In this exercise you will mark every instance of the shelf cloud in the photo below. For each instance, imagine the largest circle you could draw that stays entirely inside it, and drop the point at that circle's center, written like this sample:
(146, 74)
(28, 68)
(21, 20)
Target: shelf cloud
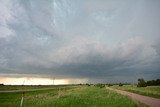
(80, 39)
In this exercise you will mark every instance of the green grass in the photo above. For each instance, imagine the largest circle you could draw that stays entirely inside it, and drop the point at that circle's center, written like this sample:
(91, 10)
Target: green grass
(152, 91)
(81, 96)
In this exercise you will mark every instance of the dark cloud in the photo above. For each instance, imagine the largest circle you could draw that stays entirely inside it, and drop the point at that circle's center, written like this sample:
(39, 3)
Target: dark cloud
(72, 40)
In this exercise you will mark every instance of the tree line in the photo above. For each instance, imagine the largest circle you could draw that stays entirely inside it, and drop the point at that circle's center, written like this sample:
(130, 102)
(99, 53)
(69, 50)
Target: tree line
(143, 83)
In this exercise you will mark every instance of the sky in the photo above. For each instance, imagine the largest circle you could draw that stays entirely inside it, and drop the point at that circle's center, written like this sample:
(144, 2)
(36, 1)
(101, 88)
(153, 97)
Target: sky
(79, 41)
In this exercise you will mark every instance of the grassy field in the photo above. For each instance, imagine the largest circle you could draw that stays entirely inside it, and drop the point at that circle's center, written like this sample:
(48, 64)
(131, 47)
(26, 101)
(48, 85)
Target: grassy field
(153, 91)
(81, 96)
(26, 87)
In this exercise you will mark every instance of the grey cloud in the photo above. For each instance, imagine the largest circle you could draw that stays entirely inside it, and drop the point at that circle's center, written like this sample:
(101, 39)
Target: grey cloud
(78, 40)
(126, 59)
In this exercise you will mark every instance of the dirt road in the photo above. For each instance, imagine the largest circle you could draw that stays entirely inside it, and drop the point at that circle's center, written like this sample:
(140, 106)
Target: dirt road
(152, 102)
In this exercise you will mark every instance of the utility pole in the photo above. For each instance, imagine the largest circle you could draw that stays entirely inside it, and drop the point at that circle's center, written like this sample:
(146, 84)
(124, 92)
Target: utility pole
(21, 104)
(53, 80)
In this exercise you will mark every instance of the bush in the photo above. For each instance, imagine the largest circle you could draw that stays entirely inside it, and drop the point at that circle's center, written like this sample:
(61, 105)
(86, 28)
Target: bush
(100, 85)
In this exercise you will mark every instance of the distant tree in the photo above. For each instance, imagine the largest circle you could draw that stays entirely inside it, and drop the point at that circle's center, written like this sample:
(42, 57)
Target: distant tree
(110, 85)
(158, 82)
(1, 84)
(141, 83)
(120, 84)
(153, 82)
(87, 84)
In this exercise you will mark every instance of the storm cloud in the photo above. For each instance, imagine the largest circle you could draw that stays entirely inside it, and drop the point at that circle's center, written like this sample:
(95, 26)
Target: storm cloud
(80, 39)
